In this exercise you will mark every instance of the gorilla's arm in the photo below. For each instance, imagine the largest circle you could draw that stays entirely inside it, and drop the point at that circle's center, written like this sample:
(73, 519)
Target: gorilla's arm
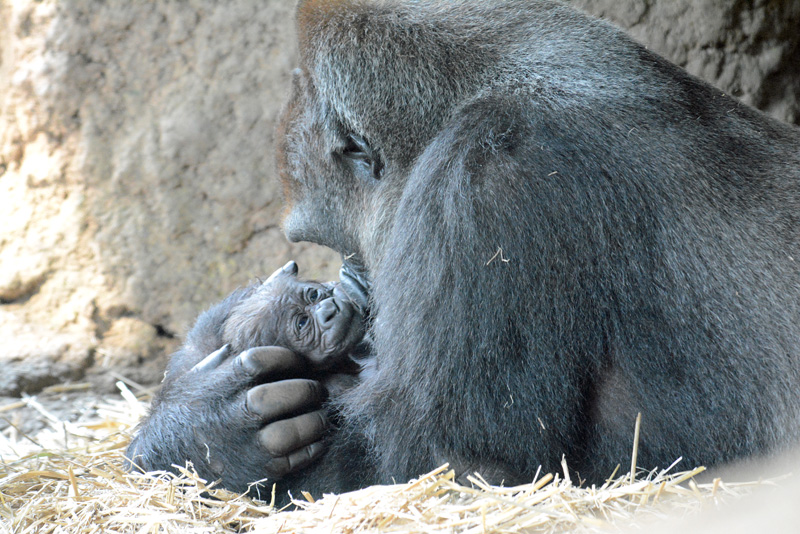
(494, 252)
(230, 425)
(504, 312)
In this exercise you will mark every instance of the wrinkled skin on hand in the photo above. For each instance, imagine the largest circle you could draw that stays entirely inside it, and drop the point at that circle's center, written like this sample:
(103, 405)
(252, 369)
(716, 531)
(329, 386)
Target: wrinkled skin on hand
(239, 418)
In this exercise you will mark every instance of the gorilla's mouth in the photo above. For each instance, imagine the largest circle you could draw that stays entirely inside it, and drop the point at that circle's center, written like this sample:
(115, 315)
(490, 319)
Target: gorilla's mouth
(356, 285)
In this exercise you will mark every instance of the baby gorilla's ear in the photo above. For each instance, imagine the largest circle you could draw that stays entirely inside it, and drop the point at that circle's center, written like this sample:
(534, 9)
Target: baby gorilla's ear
(289, 269)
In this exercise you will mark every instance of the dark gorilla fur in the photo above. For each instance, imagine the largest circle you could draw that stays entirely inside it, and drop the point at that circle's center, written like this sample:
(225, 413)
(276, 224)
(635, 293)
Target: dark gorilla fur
(567, 230)
(561, 229)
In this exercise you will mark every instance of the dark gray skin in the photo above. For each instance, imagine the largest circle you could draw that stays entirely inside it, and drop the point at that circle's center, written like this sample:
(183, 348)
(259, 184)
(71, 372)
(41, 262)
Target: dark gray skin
(557, 228)
(318, 322)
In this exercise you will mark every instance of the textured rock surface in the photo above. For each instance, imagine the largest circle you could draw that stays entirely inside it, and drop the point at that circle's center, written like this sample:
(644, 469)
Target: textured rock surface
(137, 180)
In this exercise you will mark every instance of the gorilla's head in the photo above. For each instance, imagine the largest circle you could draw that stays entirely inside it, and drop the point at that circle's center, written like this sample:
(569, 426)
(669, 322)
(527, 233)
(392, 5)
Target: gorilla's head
(366, 104)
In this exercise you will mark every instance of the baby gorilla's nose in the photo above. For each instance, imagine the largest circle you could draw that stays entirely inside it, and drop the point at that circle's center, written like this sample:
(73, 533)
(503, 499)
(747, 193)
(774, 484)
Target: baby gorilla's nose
(326, 312)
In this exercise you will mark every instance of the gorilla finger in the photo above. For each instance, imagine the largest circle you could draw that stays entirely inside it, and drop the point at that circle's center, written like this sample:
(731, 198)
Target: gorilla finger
(278, 400)
(283, 437)
(265, 361)
(211, 361)
(290, 268)
(283, 465)
(355, 287)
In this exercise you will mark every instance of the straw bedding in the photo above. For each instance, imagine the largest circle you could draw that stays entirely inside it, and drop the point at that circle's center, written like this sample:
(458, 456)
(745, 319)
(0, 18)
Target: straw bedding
(69, 477)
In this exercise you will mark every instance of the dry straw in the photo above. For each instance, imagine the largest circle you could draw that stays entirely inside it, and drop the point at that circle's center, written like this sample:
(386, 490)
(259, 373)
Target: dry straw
(81, 487)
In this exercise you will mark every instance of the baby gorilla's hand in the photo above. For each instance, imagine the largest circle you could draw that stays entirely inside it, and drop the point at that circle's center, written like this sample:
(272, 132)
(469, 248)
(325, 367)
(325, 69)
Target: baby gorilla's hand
(237, 419)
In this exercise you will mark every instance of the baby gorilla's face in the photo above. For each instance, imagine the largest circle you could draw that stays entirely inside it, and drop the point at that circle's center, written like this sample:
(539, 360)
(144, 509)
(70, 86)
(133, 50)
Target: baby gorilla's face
(315, 320)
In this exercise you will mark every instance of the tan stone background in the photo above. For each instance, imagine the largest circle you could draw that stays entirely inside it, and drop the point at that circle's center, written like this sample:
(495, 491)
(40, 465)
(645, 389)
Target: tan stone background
(137, 180)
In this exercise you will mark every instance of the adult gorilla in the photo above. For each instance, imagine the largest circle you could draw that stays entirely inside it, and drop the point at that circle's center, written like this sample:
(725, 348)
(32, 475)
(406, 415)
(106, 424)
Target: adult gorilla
(561, 230)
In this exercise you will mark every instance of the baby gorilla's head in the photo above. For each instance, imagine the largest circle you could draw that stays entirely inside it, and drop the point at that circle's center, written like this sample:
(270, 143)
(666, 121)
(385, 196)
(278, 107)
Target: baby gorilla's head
(315, 320)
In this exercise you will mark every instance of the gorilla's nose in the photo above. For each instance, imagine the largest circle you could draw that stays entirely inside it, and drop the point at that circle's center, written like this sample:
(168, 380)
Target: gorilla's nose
(326, 312)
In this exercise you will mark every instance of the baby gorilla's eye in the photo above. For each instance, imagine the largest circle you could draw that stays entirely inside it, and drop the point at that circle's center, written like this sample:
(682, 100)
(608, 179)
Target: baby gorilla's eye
(312, 295)
(301, 321)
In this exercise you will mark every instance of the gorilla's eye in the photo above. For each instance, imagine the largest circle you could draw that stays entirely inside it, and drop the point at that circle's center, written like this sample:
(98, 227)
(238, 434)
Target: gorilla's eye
(312, 295)
(357, 149)
(301, 321)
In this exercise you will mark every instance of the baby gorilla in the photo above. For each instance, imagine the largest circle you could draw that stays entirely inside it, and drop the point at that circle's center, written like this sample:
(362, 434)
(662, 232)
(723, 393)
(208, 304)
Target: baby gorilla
(320, 323)
(317, 321)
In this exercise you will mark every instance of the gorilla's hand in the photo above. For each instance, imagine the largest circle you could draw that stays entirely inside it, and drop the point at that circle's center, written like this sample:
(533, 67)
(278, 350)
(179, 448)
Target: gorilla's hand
(237, 419)
(355, 284)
